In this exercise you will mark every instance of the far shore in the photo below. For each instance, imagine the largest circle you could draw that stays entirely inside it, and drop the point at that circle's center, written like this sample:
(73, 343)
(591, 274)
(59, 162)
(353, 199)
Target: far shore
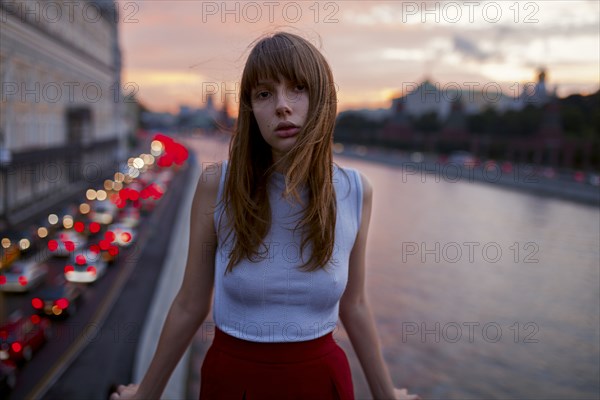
(521, 177)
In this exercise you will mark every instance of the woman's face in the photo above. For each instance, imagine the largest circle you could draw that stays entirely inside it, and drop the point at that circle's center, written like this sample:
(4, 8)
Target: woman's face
(280, 109)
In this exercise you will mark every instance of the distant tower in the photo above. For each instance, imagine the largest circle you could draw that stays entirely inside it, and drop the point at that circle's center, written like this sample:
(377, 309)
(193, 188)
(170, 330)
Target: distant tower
(540, 87)
(210, 105)
(456, 123)
(398, 129)
(224, 122)
(539, 94)
(542, 75)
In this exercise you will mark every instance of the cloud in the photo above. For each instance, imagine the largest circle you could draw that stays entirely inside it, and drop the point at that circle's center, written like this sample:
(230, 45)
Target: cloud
(469, 49)
(370, 47)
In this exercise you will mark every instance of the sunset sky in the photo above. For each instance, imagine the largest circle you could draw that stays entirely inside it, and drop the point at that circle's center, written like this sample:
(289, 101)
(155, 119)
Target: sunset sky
(175, 52)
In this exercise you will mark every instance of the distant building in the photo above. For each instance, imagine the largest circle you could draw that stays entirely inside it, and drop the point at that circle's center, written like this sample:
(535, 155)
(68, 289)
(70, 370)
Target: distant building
(159, 121)
(398, 128)
(206, 119)
(433, 97)
(61, 118)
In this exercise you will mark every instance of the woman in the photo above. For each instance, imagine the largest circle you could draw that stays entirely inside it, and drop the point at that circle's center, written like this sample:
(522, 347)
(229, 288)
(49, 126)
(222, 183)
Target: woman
(286, 231)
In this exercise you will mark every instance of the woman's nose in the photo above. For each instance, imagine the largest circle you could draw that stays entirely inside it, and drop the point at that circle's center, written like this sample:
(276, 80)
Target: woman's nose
(283, 105)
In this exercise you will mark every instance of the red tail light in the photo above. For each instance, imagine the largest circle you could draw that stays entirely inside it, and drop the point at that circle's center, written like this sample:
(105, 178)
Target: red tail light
(79, 226)
(23, 280)
(37, 303)
(80, 259)
(35, 319)
(2, 279)
(52, 245)
(94, 227)
(62, 303)
(125, 237)
(69, 245)
(91, 269)
(104, 244)
(69, 268)
(110, 236)
(16, 347)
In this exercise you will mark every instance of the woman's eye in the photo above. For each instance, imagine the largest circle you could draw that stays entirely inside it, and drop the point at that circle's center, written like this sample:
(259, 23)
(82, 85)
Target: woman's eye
(263, 94)
(300, 88)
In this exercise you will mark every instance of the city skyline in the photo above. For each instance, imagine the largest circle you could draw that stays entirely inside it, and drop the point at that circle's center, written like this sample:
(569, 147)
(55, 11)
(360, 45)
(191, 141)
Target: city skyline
(177, 55)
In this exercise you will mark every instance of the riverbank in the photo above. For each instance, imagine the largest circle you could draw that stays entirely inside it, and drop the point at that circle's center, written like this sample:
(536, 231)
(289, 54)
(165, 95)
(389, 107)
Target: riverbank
(520, 177)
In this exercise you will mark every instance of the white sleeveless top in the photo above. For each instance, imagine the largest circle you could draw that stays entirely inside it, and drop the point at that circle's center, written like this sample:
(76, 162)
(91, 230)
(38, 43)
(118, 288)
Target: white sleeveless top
(272, 299)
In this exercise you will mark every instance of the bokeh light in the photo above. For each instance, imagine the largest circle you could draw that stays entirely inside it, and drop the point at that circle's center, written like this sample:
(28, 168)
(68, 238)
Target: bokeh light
(84, 208)
(101, 195)
(156, 148)
(42, 232)
(24, 244)
(53, 219)
(68, 221)
(138, 163)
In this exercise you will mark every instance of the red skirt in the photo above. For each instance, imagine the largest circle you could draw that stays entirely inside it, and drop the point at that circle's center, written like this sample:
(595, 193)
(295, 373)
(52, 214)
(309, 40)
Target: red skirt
(239, 369)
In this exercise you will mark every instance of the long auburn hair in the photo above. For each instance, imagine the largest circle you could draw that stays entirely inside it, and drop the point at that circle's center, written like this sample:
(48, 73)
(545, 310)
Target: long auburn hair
(309, 162)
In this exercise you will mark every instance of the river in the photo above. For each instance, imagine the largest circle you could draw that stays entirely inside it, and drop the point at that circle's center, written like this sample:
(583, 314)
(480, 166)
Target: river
(482, 292)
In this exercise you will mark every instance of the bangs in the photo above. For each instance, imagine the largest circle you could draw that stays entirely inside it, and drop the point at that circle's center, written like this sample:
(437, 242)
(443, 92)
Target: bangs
(276, 57)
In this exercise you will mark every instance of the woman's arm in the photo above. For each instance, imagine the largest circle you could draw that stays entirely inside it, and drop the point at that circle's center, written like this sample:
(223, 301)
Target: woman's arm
(357, 317)
(192, 303)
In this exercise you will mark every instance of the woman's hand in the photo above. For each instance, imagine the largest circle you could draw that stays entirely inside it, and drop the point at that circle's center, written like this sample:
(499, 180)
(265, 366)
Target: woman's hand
(402, 394)
(125, 392)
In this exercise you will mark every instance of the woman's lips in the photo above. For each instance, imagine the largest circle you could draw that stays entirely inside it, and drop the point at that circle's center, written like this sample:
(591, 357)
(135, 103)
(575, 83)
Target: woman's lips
(287, 132)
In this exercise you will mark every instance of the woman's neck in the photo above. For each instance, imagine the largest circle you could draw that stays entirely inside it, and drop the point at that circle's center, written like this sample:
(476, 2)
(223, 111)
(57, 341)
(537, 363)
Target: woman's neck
(279, 165)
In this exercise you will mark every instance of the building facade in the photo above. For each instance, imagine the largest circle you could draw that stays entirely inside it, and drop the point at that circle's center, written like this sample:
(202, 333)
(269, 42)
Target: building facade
(61, 108)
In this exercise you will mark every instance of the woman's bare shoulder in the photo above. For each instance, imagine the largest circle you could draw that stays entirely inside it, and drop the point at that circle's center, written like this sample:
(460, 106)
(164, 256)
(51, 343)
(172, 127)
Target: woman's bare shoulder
(367, 186)
(210, 177)
(208, 184)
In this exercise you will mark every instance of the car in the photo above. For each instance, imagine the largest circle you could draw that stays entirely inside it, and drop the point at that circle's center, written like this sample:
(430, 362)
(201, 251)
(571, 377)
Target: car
(107, 251)
(58, 301)
(462, 158)
(579, 176)
(65, 242)
(103, 212)
(121, 234)
(16, 244)
(491, 165)
(22, 275)
(130, 217)
(85, 266)
(150, 196)
(21, 336)
(507, 167)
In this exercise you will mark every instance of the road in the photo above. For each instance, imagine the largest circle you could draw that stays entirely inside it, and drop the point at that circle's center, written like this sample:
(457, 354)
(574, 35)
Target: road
(95, 348)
